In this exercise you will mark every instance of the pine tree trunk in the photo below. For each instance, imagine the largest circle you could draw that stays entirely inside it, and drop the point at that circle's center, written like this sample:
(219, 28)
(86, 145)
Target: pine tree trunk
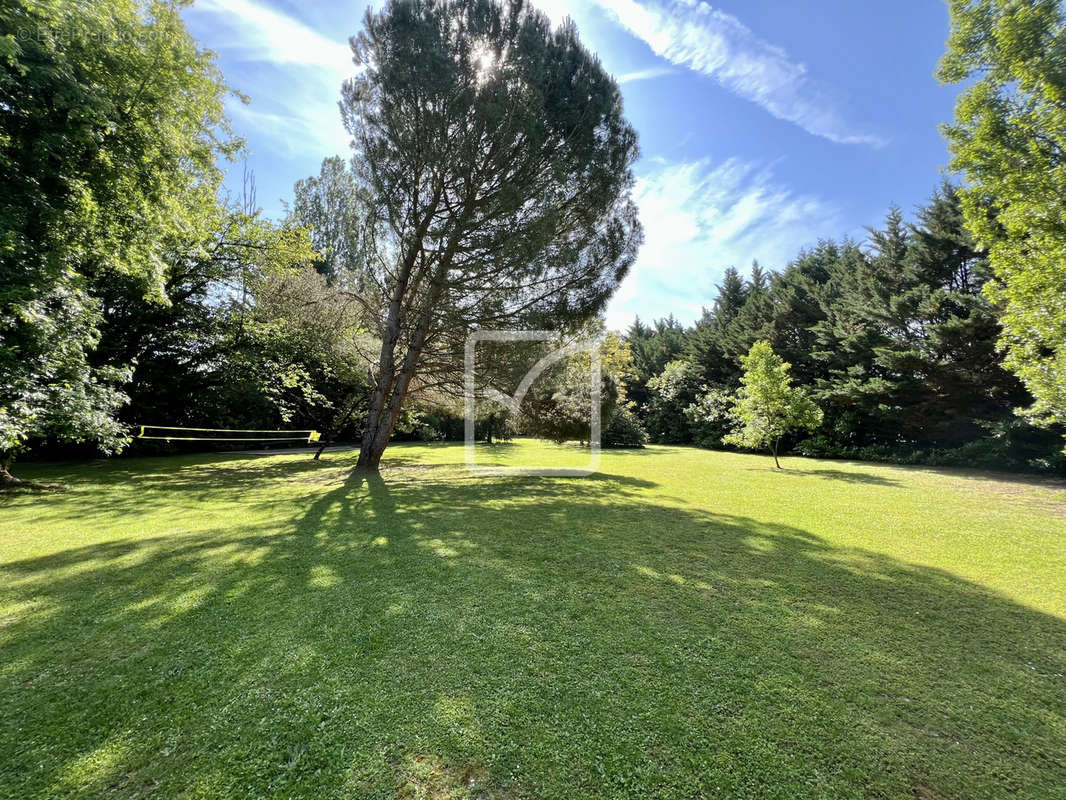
(392, 384)
(369, 451)
(386, 405)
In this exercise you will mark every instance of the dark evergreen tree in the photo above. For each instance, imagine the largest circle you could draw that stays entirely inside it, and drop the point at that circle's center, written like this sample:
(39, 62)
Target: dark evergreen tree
(909, 339)
(732, 294)
(895, 339)
(706, 344)
(858, 322)
(653, 347)
(946, 378)
(798, 308)
(753, 321)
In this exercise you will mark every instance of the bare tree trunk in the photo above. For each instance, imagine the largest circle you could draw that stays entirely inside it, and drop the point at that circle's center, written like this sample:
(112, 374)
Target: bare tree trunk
(391, 388)
(382, 418)
(373, 444)
(379, 422)
(386, 406)
(773, 449)
(336, 426)
(379, 426)
(382, 386)
(6, 478)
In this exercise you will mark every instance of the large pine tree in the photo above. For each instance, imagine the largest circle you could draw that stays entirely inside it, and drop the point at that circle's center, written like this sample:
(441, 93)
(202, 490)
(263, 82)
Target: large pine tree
(495, 159)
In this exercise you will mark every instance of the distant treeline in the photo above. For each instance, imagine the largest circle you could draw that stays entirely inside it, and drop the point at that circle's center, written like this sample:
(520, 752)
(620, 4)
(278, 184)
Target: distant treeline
(893, 337)
(134, 290)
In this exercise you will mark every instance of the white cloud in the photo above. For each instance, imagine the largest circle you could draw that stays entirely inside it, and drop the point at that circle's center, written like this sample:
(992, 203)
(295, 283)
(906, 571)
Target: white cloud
(699, 218)
(294, 135)
(555, 10)
(645, 74)
(291, 72)
(695, 35)
(259, 33)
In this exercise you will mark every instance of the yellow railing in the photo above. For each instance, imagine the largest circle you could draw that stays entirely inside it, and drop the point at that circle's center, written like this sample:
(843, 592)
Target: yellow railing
(305, 435)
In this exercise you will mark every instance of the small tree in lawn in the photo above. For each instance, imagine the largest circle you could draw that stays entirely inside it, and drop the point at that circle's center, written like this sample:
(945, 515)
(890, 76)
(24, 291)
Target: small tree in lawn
(768, 406)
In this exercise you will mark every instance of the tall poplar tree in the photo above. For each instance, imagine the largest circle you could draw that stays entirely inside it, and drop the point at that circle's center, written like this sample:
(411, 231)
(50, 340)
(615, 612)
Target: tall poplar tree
(328, 205)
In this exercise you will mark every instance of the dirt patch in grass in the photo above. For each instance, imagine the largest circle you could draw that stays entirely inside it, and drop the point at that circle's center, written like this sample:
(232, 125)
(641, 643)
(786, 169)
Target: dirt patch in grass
(1036, 494)
(427, 777)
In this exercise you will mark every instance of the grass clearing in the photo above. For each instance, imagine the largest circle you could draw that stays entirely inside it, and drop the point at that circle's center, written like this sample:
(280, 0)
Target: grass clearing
(684, 624)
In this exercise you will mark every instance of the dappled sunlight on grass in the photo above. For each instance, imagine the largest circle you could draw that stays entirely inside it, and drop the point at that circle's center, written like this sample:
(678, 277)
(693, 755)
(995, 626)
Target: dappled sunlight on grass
(680, 580)
(323, 577)
(95, 767)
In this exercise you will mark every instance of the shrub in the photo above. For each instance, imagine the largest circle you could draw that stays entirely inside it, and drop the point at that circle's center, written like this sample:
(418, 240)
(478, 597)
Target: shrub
(624, 430)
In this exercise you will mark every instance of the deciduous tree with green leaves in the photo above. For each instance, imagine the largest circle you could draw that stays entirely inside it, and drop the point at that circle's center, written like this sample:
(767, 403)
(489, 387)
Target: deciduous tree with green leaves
(1009, 142)
(669, 394)
(768, 406)
(308, 349)
(557, 405)
(328, 205)
(653, 347)
(111, 123)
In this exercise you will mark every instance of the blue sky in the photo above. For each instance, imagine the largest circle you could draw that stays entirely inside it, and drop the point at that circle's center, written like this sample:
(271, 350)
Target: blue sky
(764, 125)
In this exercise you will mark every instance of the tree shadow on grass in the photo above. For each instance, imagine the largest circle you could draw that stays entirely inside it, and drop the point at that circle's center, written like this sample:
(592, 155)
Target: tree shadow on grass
(137, 486)
(425, 632)
(835, 475)
(11, 490)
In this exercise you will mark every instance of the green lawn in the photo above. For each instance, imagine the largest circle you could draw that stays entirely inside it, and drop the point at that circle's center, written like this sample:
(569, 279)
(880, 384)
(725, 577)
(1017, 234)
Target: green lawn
(684, 624)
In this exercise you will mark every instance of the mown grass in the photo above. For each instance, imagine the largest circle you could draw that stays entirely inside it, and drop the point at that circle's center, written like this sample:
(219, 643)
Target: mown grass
(684, 624)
